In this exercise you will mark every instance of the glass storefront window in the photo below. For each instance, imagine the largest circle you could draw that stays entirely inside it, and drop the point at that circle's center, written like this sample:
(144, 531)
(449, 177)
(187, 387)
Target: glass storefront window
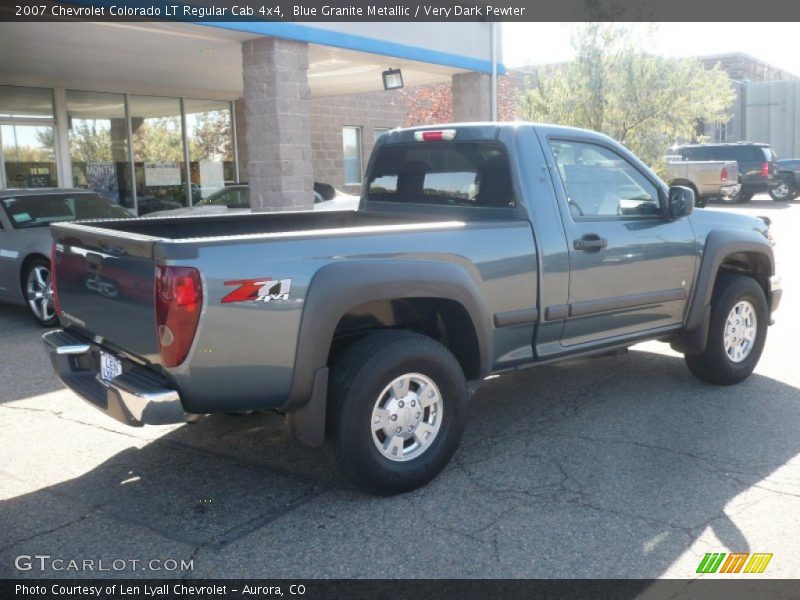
(209, 133)
(18, 102)
(351, 139)
(27, 135)
(159, 170)
(98, 144)
(29, 158)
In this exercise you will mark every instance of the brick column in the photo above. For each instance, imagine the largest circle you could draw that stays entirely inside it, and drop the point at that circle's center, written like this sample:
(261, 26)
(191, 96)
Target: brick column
(472, 97)
(278, 131)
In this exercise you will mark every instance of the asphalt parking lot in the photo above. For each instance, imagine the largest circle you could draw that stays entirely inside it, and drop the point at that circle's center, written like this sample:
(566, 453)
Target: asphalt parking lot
(610, 467)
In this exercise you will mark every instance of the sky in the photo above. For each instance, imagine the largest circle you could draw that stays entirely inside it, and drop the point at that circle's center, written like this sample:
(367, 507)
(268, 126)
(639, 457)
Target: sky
(774, 43)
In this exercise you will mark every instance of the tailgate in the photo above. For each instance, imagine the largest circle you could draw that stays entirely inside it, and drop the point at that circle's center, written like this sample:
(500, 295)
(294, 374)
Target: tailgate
(733, 172)
(105, 282)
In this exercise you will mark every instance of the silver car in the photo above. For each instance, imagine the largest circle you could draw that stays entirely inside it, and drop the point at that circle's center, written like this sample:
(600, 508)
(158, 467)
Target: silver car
(25, 217)
(236, 198)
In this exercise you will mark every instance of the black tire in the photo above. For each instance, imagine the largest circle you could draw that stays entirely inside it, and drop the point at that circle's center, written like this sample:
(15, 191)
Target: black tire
(714, 365)
(742, 197)
(785, 191)
(43, 265)
(358, 379)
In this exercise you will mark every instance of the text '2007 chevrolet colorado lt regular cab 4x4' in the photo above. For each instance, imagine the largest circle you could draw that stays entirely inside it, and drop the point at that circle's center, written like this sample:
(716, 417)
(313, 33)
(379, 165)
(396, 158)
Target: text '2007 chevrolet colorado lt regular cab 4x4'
(476, 249)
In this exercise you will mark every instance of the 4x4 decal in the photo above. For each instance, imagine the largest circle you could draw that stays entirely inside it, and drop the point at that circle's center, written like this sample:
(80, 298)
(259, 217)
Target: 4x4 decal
(258, 290)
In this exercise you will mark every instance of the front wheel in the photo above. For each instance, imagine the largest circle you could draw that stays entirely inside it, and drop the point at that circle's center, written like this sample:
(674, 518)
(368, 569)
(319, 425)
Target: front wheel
(38, 291)
(737, 332)
(397, 411)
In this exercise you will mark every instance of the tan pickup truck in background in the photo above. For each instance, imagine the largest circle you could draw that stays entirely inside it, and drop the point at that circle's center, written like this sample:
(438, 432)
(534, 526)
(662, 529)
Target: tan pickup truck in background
(708, 178)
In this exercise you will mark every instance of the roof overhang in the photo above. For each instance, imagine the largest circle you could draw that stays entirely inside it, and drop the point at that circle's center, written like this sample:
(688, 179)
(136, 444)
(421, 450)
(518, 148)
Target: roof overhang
(184, 59)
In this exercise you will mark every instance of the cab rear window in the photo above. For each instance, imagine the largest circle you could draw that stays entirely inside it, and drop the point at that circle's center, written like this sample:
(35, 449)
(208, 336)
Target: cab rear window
(473, 174)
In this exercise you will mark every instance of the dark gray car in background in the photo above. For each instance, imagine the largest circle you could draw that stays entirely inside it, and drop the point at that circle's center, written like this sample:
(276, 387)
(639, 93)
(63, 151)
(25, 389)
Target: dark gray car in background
(789, 186)
(25, 218)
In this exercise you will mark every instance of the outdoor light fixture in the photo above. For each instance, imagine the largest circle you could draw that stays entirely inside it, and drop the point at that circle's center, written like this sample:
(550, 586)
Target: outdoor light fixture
(392, 79)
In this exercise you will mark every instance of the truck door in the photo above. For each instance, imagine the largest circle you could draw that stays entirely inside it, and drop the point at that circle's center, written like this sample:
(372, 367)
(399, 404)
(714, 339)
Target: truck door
(630, 269)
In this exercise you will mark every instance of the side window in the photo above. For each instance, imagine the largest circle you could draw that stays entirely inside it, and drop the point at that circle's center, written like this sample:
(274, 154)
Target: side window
(600, 183)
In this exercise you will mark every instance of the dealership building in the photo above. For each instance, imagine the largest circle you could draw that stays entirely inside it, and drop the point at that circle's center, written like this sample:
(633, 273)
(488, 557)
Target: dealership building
(161, 114)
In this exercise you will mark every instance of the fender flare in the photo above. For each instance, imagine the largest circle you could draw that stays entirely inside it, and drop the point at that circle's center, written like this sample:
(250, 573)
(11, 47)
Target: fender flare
(720, 244)
(339, 287)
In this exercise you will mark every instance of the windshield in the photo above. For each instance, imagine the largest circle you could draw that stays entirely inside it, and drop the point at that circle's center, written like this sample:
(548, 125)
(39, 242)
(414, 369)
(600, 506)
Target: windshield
(445, 173)
(232, 197)
(40, 210)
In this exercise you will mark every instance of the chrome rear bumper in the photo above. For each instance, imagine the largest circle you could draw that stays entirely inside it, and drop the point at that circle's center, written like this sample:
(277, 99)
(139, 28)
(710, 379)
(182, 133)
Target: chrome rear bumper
(136, 397)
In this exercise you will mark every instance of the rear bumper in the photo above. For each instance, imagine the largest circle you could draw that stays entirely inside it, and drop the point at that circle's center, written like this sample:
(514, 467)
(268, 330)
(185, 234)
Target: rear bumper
(728, 191)
(136, 397)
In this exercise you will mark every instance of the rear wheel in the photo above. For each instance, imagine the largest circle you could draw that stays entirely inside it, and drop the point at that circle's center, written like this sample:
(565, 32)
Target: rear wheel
(737, 332)
(784, 191)
(38, 291)
(397, 411)
(743, 197)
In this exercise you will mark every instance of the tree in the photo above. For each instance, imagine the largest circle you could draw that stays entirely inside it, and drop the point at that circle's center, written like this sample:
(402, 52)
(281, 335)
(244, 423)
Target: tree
(644, 101)
(431, 104)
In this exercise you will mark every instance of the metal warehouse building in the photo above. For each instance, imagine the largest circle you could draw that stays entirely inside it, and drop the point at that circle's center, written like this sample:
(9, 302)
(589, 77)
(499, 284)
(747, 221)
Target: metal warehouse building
(161, 114)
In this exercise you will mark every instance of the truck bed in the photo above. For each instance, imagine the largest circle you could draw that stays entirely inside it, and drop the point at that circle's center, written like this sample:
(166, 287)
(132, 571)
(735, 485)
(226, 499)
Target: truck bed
(250, 224)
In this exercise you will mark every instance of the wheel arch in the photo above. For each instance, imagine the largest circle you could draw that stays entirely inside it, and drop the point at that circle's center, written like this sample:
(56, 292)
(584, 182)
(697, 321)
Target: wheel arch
(341, 291)
(726, 250)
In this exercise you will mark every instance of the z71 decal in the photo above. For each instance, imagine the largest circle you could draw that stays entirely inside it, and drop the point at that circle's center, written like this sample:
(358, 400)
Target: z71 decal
(258, 290)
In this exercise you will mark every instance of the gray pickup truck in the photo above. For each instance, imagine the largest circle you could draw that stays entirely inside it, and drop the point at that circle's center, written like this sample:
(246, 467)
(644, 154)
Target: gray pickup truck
(476, 250)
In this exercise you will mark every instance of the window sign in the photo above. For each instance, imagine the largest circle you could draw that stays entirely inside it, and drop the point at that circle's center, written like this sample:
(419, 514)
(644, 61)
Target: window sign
(162, 173)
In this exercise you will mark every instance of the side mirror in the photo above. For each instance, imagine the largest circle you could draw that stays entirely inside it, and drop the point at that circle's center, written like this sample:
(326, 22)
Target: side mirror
(680, 201)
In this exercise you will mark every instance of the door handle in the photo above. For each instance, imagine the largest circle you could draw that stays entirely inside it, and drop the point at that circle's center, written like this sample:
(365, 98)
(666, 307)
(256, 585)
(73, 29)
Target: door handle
(591, 242)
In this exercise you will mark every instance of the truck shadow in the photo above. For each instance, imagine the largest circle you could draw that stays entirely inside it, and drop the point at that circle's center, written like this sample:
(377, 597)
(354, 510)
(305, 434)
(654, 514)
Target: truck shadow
(604, 468)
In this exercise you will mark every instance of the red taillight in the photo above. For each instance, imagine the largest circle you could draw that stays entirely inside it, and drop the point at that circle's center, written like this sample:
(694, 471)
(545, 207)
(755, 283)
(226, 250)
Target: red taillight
(764, 169)
(179, 298)
(56, 303)
(723, 176)
(435, 135)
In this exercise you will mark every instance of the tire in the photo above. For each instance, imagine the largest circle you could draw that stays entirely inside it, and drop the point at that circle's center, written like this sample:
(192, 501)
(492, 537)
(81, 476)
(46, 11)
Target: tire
(38, 293)
(742, 197)
(716, 364)
(784, 191)
(360, 389)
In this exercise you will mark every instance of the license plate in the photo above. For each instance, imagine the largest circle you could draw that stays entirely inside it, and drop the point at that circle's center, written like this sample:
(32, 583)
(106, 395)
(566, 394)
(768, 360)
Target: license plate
(110, 367)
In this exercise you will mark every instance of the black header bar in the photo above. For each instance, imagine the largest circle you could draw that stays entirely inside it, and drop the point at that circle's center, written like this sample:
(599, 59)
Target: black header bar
(209, 11)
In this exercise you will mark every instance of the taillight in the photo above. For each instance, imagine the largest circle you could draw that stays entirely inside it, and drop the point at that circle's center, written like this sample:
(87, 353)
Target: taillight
(764, 169)
(179, 299)
(435, 135)
(723, 176)
(56, 303)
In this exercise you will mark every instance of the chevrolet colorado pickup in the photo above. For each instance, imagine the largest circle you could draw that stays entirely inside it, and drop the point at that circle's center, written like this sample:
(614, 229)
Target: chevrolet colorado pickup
(476, 250)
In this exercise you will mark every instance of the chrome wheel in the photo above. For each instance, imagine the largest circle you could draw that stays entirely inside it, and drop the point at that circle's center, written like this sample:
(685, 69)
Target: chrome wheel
(39, 291)
(740, 331)
(407, 417)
